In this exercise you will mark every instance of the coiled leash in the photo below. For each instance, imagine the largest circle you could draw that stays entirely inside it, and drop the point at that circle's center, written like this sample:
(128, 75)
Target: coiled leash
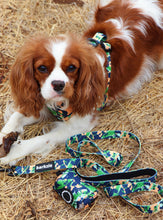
(79, 190)
(121, 183)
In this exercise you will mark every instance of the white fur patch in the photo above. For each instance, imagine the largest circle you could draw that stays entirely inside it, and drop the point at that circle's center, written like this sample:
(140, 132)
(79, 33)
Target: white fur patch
(103, 3)
(57, 49)
(125, 33)
(16, 122)
(150, 8)
(102, 61)
(54, 104)
(142, 27)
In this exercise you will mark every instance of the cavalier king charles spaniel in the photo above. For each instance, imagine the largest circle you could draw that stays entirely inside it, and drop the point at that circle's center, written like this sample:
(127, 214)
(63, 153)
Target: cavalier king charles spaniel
(67, 74)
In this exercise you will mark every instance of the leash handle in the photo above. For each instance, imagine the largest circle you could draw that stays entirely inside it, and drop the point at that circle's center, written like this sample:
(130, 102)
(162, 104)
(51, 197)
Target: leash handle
(116, 179)
(123, 184)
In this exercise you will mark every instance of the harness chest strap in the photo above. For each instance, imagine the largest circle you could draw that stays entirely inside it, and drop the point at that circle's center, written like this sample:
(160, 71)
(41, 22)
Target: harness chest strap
(98, 39)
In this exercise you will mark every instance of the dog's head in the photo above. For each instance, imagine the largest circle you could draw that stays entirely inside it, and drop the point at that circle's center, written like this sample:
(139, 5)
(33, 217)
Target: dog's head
(65, 69)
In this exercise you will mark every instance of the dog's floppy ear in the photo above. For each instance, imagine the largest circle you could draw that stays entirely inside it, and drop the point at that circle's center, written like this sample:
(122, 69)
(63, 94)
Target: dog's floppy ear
(24, 87)
(90, 86)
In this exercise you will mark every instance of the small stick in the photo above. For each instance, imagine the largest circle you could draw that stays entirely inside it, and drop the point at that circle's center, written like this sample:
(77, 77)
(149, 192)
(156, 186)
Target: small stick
(8, 140)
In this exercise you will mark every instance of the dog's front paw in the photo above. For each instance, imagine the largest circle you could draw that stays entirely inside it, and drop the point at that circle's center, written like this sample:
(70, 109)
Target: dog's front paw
(7, 161)
(14, 154)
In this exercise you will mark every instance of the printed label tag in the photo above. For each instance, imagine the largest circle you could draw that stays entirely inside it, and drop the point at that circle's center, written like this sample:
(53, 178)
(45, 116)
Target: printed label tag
(44, 167)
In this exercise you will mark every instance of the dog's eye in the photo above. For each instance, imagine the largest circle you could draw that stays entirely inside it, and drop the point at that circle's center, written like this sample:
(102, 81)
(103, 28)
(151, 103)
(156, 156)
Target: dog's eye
(71, 68)
(43, 69)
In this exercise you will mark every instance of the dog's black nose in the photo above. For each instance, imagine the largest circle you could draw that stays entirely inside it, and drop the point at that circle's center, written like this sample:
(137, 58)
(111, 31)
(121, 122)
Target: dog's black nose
(58, 85)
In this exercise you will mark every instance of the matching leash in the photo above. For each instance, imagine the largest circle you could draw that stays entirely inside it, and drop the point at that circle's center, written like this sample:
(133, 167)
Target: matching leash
(80, 190)
(123, 182)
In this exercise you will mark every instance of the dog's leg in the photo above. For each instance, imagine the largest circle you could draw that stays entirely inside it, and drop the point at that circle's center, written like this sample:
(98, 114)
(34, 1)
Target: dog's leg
(45, 143)
(16, 123)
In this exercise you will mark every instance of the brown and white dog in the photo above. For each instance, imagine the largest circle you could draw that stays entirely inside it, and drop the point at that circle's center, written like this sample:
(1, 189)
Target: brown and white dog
(69, 70)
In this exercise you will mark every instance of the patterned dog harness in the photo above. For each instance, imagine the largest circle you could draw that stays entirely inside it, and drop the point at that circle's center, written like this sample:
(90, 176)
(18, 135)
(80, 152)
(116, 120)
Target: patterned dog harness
(98, 39)
(79, 190)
